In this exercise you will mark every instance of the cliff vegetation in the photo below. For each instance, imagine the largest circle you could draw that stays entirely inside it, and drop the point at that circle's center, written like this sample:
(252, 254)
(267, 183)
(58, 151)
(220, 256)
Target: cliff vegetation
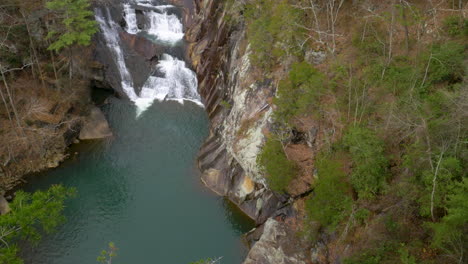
(44, 82)
(385, 84)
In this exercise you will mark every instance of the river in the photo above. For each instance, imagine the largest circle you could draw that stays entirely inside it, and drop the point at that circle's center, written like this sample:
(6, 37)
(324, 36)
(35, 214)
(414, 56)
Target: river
(140, 189)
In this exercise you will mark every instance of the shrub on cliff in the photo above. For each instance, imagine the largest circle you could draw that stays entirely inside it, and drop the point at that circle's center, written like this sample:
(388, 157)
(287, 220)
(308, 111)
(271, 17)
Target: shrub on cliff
(278, 169)
(369, 162)
(330, 203)
(77, 23)
(450, 232)
(273, 31)
(299, 92)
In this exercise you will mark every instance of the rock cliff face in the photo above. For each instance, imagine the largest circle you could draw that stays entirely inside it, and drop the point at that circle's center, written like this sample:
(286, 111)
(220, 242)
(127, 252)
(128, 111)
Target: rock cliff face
(238, 107)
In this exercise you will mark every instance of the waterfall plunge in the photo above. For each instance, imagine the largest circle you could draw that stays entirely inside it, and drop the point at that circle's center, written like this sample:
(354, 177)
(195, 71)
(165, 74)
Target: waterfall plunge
(165, 27)
(178, 82)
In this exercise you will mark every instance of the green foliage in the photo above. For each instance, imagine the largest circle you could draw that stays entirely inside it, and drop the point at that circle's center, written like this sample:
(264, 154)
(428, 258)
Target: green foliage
(225, 104)
(445, 63)
(279, 170)
(272, 31)
(299, 92)
(369, 162)
(456, 26)
(331, 202)
(361, 215)
(399, 76)
(369, 40)
(405, 256)
(450, 232)
(380, 253)
(107, 255)
(383, 252)
(450, 170)
(77, 23)
(31, 214)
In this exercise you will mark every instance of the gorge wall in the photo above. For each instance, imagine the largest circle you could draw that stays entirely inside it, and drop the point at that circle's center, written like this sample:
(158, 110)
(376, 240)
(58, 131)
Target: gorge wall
(237, 99)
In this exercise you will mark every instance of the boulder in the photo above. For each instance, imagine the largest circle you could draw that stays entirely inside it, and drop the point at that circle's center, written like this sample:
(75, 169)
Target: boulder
(95, 126)
(277, 245)
(142, 46)
(4, 206)
(315, 57)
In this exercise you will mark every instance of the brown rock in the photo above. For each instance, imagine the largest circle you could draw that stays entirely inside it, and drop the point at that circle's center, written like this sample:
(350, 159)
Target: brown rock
(95, 126)
(4, 206)
(141, 45)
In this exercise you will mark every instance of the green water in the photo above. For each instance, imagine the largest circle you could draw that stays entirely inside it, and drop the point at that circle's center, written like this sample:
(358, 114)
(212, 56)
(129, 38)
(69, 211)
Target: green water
(141, 190)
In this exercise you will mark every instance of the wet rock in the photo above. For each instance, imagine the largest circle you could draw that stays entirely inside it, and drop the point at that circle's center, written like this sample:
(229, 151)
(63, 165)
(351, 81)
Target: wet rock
(253, 236)
(95, 126)
(277, 245)
(138, 53)
(213, 180)
(72, 132)
(4, 206)
(141, 45)
(55, 159)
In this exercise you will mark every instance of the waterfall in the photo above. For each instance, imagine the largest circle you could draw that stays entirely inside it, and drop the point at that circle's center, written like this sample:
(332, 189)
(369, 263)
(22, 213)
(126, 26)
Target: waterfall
(130, 19)
(174, 81)
(111, 35)
(165, 27)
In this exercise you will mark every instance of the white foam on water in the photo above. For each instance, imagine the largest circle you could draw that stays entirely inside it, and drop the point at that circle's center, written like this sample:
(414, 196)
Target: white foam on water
(111, 35)
(166, 27)
(130, 19)
(178, 83)
(175, 81)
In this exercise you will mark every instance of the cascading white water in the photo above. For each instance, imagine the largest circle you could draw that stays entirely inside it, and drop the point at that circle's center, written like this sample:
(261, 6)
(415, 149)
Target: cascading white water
(165, 27)
(177, 82)
(130, 19)
(111, 35)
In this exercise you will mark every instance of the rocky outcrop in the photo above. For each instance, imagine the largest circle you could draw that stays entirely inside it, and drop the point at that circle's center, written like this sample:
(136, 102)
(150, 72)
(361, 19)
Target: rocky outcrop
(142, 46)
(95, 126)
(140, 56)
(278, 244)
(4, 206)
(237, 98)
(237, 106)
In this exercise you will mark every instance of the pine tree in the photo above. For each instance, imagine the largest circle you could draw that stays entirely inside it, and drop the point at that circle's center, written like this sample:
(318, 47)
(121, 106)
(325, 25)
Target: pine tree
(77, 23)
(30, 215)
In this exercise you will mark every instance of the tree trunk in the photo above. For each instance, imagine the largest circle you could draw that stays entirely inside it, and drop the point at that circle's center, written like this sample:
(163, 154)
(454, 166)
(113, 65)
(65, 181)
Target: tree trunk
(33, 49)
(52, 57)
(405, 23)
(12, 103)
(6, 106)
(434, 184)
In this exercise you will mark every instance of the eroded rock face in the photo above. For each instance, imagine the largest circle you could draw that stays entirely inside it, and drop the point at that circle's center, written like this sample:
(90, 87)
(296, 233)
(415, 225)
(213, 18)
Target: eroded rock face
(95, 126)
(236, 104)
(140, 55)
(237, 101)
(277, 245)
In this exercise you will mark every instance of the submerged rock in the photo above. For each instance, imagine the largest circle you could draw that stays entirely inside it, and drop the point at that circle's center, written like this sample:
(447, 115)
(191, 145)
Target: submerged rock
(95, 126)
